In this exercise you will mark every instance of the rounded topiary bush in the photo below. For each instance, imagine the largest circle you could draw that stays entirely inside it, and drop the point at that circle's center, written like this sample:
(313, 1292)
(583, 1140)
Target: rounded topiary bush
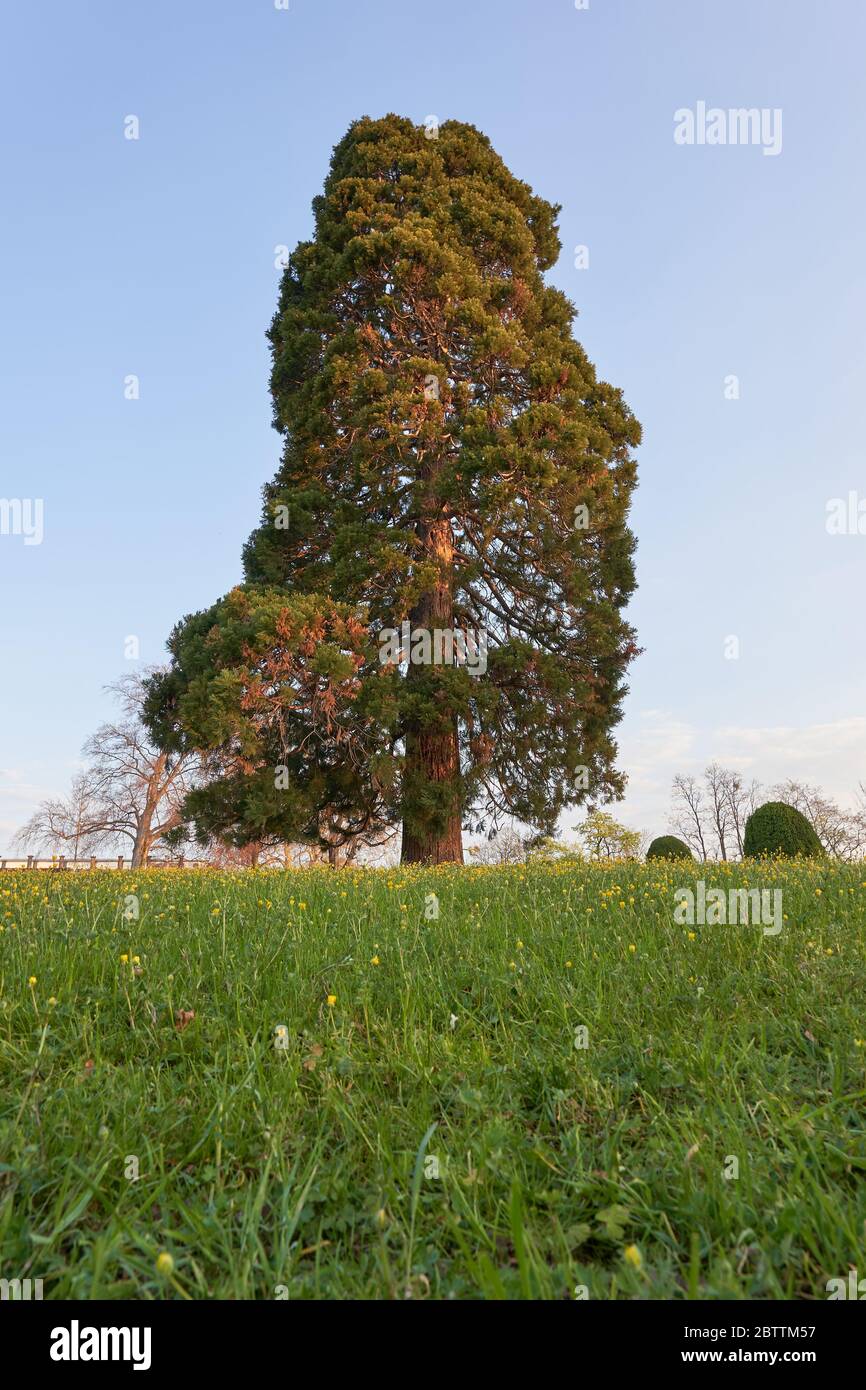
(668, 847)
(776, 828)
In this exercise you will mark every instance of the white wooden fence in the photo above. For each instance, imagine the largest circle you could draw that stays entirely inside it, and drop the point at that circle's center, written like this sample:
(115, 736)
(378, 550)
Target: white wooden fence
(61, 862)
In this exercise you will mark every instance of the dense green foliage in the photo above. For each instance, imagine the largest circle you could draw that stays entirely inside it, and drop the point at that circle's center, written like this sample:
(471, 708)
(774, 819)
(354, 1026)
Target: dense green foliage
(452, 461)
(305, 1167)
(668, 847)
(272, 687)
(775, 828)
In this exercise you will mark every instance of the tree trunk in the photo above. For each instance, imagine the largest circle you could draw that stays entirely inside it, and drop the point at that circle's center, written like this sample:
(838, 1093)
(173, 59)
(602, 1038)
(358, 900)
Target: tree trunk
(139, 849)
(435, 759)
(433, 836)
(144, 829)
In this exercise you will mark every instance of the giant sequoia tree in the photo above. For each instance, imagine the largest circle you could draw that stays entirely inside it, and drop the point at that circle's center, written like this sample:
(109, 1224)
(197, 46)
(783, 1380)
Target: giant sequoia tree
(450, 461)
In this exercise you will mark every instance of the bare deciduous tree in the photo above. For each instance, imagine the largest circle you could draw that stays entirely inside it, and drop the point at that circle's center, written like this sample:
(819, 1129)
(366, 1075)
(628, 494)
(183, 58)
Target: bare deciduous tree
(689, 813)
(716, 781)
(710, 814)
(504, 846)
(742, 800)
(129, 789)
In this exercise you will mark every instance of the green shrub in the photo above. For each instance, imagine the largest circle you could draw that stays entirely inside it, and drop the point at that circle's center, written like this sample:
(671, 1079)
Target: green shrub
(776, 828)
(668, 847)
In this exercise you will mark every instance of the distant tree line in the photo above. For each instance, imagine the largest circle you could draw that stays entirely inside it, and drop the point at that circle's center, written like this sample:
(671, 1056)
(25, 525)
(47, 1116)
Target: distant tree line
(131, 795)
(710, 812)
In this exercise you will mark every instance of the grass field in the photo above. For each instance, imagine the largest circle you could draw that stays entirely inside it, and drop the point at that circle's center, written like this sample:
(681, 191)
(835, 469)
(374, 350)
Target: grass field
(304, 1164)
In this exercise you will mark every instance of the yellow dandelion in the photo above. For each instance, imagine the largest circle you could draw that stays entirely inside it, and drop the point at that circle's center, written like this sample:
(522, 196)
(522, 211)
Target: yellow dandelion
(164, 1263)
(633, 1256)
(332, 999)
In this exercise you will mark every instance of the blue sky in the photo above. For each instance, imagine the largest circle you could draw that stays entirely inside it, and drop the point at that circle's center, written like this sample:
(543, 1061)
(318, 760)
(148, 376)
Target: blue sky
(155, 257)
